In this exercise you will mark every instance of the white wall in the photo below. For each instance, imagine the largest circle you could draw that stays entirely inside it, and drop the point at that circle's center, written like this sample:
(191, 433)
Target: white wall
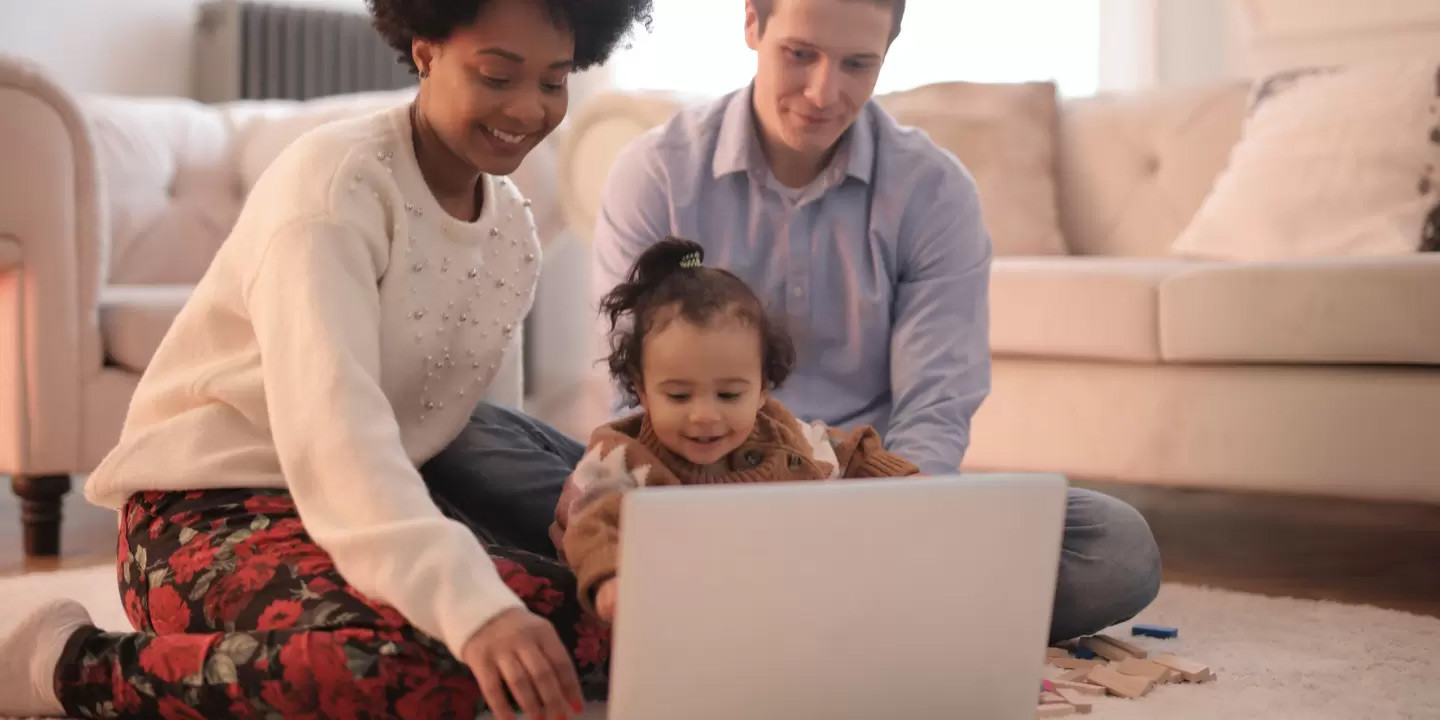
(1198, 41)
(127, 47)
(1194, 42)
(1149, 43)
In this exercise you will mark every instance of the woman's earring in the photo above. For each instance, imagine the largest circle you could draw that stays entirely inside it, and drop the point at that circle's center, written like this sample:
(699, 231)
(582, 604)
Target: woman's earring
(424, 73)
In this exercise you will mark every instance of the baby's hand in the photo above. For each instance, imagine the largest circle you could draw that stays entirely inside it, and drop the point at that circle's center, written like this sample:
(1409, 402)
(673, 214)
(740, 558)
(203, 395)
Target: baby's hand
(605, 601)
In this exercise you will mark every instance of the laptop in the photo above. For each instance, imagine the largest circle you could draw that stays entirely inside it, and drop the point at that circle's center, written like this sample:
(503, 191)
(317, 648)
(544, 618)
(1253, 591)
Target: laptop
(900, 598)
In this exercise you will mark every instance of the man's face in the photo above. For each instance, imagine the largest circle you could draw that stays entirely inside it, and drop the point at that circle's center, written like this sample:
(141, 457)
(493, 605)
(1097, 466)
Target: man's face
(818, 62)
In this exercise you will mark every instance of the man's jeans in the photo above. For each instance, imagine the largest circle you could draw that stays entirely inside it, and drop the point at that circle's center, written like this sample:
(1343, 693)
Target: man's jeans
(503, 475)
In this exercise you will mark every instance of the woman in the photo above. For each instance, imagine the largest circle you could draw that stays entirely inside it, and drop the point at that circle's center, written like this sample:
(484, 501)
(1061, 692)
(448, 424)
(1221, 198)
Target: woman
(279, 552)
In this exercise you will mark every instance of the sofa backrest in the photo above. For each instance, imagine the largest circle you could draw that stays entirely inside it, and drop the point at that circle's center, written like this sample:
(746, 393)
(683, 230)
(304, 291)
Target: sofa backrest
(1134, 168)
(175, 173)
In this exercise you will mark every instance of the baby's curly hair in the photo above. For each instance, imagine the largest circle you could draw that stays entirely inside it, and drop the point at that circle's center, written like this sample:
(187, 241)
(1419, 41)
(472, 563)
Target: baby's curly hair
(598, 25)
(669, 281)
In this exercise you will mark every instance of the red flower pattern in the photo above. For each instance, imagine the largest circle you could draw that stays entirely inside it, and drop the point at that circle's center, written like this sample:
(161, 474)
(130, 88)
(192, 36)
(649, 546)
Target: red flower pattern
(173, 657)
(269, 503)
(287, 700)
(376, 666)
(172, 709)
(230, 594)
(321, 586)
(168, 611)
(192, 559)
(592, 646)
(280, 615)
(127, 699)
(440, 696)
(133, 612)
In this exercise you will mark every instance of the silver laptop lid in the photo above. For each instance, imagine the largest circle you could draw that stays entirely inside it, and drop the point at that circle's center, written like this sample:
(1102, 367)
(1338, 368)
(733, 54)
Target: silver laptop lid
(910, 598)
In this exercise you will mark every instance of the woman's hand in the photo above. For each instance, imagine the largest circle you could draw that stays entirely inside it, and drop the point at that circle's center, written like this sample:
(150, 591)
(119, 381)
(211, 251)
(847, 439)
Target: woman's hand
(605, 601)
(520, 650)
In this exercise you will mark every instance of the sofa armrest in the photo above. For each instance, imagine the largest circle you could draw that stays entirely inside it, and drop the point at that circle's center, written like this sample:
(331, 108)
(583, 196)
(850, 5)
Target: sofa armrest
(50, 213)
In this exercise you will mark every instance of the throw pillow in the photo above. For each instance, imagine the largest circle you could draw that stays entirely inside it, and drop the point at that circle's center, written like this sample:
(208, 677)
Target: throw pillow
(1332, 162)
(1005, 135)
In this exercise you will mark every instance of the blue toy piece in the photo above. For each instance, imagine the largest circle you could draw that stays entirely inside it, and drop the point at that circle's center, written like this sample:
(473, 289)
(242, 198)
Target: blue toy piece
(1084, 653)
(1155, 631)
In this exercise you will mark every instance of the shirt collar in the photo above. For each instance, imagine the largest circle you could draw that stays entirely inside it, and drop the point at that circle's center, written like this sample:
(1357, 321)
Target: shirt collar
(737, 148)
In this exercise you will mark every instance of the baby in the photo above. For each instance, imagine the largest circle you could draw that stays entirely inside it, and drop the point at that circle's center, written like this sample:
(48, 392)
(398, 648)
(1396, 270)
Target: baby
(700, 356)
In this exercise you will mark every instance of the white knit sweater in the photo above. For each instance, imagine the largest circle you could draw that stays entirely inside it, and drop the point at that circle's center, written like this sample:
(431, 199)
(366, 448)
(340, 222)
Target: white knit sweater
(343, 334)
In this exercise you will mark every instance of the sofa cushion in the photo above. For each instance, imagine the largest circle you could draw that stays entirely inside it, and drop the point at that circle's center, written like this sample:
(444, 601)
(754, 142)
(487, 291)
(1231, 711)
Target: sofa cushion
(1334, 162)
(175, 173)
(1134, 167)
(1005, 135)
(1079, 307)
(171, 190)
(1356, 310)
(135, 318)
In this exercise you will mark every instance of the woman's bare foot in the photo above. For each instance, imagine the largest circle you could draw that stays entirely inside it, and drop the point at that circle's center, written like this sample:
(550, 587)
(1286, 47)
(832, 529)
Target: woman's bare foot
(29, 654)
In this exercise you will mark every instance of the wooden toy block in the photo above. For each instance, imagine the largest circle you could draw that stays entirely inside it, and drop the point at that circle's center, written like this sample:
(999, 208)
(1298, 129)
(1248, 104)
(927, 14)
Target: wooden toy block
(1056, 652)
(1074, 663)
(1054, 710)
(1085, 653)
(1171, 676)
(1126, 686)
(1189, 669)
(1155, 631)
(1073, 698)
(1148, 669)
(1070, 687)
(1104, 649)
(1052, 697)
(1134, 650)
(1074, 676)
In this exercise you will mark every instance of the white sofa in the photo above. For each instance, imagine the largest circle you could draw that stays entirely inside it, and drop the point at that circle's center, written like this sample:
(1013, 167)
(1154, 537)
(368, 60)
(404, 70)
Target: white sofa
(111, 208)
(1117, 361)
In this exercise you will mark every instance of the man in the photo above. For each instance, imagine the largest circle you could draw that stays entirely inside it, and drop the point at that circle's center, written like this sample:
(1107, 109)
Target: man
(868, 239)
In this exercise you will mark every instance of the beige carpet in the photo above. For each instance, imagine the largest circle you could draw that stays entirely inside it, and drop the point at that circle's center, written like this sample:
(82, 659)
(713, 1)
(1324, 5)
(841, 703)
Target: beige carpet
(1276, 658)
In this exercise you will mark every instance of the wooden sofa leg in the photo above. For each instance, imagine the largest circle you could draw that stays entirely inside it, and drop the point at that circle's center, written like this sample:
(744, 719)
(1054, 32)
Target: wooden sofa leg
(42, 499)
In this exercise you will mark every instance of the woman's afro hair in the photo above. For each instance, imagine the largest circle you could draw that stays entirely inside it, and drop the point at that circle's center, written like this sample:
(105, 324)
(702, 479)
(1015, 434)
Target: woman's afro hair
(598, 25)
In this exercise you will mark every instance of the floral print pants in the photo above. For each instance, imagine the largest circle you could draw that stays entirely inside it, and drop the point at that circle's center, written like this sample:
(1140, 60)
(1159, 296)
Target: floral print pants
(240, 614)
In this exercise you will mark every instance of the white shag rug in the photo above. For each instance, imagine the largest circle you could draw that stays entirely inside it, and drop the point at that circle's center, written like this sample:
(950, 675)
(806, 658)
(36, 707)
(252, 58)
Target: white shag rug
(1276, 658)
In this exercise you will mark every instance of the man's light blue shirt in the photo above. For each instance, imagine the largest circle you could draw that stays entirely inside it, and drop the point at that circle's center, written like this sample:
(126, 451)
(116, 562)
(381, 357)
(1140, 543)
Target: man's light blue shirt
(880, 268)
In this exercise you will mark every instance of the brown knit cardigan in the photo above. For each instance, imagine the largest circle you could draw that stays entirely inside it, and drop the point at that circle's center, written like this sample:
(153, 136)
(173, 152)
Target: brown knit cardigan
(626, 454)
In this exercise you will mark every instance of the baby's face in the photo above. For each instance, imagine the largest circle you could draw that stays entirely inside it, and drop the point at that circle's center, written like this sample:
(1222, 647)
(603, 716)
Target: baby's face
(702, 386)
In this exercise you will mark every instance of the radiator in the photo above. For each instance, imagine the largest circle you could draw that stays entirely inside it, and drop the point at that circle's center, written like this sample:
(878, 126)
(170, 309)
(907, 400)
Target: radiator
(257, 50)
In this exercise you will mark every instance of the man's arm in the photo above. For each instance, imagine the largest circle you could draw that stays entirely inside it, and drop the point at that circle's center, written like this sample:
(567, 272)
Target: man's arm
(634, 214)
(940, 341)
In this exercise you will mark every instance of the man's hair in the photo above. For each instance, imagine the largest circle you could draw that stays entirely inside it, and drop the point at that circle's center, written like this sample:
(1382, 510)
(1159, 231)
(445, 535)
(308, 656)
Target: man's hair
(763, 8)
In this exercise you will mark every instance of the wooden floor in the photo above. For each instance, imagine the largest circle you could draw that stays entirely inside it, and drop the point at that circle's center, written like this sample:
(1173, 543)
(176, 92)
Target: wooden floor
(88, 535)
(1385, 554)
